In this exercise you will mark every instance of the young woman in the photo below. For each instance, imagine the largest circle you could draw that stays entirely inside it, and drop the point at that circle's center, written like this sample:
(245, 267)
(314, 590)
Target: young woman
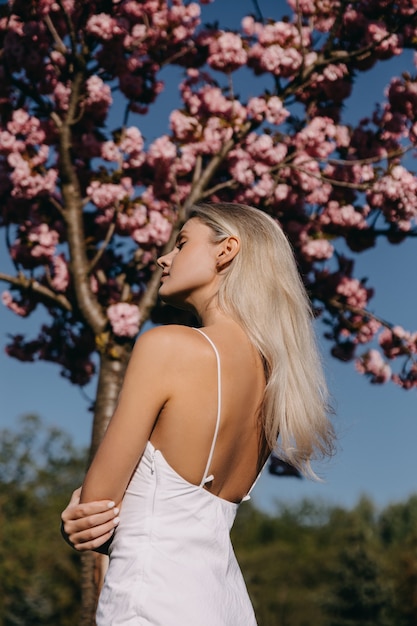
(199, 412)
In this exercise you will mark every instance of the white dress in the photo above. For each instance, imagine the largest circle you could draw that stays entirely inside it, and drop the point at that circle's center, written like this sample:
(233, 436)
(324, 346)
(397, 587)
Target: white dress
(171, 559)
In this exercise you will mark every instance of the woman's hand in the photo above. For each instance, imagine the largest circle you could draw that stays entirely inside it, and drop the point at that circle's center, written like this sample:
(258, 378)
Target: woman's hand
(89, 526)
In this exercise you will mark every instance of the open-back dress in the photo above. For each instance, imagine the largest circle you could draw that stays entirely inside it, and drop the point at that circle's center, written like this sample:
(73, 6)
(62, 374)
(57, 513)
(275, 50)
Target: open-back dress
(171, 560)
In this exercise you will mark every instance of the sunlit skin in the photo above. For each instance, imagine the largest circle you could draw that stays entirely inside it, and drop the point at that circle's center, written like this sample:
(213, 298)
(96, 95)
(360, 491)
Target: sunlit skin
(192, 270)
(173, 372)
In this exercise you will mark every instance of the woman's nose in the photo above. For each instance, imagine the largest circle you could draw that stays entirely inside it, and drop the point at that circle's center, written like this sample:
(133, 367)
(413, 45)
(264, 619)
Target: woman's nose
(162, 261)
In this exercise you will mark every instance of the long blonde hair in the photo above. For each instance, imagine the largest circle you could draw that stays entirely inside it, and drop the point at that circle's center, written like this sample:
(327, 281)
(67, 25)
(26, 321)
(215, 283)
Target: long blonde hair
(263, 292)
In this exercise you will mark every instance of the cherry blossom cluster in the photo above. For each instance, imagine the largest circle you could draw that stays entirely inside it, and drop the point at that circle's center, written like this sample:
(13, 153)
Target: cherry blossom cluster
(24, 153)
(124, 319)
(395, 342)
(284, 148)
(278, 47)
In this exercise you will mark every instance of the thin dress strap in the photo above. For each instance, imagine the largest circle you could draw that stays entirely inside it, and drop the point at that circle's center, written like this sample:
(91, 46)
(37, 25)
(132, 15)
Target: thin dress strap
(207, 478)
(248, 495)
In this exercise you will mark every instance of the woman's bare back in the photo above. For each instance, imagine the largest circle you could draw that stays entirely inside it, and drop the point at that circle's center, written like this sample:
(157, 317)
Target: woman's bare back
(186, 425)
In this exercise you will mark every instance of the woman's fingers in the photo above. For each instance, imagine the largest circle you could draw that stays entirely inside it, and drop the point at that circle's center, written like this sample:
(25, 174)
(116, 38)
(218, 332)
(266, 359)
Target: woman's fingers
(89, 525)
(84, 516)
(94, 537)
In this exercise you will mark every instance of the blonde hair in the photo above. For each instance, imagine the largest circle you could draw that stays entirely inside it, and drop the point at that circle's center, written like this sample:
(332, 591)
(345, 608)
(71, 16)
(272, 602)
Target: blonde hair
(263, 292)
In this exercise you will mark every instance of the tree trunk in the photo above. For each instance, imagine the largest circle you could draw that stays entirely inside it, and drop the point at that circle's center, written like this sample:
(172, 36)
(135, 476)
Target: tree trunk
(94, 565)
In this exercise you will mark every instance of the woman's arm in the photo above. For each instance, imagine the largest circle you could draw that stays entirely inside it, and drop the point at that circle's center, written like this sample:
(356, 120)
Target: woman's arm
(89, 526)
(145, 390)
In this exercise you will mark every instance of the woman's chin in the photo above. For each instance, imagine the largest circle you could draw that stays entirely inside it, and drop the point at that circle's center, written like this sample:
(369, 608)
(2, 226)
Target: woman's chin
(173, 300)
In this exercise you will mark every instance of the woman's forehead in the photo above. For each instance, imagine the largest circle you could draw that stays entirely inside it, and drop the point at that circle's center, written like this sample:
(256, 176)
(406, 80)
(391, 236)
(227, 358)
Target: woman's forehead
(193, 224)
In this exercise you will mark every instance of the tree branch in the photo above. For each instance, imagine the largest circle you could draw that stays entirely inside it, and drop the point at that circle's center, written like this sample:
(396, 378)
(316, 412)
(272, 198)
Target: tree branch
(376, 159)
(199, 185)
(229, 184)
(32, 286)
(101, 250)
(60, 46)
(88, 304)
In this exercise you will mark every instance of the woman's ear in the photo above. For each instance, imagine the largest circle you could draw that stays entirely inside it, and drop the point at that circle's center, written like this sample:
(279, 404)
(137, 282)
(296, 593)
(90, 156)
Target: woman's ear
(228, 249)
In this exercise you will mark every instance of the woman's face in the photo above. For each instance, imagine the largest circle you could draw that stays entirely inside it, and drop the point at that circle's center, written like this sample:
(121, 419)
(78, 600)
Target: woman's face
(189, 276)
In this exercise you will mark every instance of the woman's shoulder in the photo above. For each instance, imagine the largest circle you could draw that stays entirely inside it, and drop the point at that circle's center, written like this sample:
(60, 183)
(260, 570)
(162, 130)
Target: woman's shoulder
(172, 337)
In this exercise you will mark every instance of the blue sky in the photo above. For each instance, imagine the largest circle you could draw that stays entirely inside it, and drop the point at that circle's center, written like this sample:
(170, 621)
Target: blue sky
(377, 425)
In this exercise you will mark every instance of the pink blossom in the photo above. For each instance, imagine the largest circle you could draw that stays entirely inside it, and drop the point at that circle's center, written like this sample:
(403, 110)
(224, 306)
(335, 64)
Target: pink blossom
(256, 108)
(319, 194)
(124, 319)
(184, 126)
(20, 122)
(275, 111)
(367, 330)
(313, 139)
(264, 151)
(103, 26)
(321, 13)
(156, 231)
(132, 145)
(249, 26)
(98, 97)
(345, 216)
(180, 33)
(60, 278)
(27, 183)
(396, 195)
(306, 172)
(342, 136)
(136, 36)
(372, 363)
(132, 140)
(62, 95)
(317, 250)
(162, 150)
(263, 187)
(110, 152)
(23, 124)
(283, 33)
(187, 159)
(241, 166)
(282, 192)
(397, 341)
(214, 101)
(277, 60)
(215, 135)
(22, 308)
(333, 82)
(389, 44)
(226, 52)
(106, 195)
(9, 143)
(44, 241)
(182, 191)
(129, 222)
(355, 293)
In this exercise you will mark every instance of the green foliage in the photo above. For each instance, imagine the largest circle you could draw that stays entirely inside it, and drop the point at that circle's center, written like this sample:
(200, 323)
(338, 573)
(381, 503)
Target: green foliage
(315, 565)
(307, 565)
(39, 574)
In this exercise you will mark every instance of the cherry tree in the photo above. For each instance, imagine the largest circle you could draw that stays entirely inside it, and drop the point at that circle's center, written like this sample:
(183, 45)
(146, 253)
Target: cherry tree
(89, 199)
